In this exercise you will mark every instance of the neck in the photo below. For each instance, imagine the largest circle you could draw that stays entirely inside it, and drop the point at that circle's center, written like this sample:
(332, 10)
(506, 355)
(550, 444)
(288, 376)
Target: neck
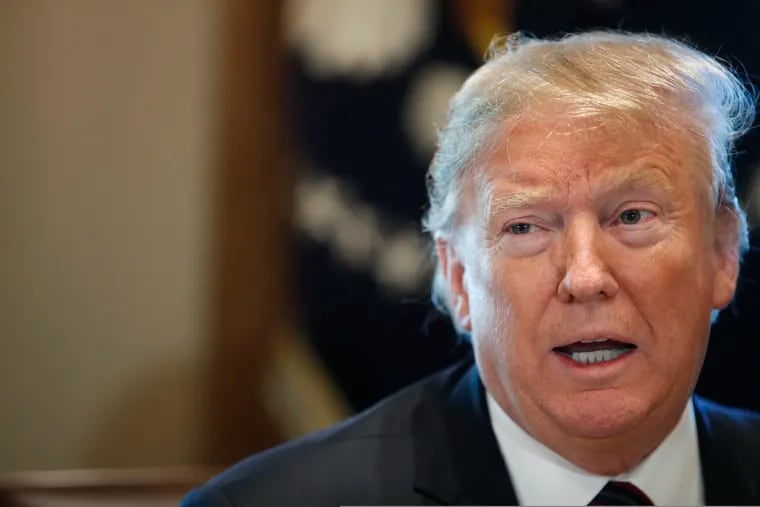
(606, 457)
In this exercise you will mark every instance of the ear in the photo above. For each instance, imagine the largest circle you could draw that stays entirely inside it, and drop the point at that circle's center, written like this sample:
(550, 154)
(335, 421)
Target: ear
(726, 258)
(452, 271)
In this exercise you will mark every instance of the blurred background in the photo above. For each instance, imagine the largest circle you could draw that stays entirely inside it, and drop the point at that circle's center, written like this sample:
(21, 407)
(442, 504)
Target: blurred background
(209, 219)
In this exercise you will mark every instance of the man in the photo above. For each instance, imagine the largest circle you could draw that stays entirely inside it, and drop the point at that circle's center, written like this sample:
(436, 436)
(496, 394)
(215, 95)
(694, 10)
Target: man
(586, 226)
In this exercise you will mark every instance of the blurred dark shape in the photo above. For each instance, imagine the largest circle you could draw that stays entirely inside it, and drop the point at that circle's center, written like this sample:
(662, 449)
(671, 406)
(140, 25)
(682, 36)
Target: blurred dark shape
(370, 337)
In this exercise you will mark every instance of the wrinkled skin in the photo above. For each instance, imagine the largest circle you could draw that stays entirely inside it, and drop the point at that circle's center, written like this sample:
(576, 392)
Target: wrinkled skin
(569, 232)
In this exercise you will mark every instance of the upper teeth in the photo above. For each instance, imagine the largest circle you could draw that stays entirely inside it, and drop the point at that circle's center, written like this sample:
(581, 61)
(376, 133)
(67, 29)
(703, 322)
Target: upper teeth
(595, 340)
(597, 356)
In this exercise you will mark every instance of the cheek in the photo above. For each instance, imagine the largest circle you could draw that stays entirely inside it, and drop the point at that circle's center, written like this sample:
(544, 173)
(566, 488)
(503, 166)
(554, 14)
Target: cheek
(667, 276)
(490, 305)
(671, 289)
(507, 311)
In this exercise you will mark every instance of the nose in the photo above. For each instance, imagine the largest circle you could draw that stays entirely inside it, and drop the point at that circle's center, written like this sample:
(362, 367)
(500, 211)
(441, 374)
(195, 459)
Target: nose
(586, 275)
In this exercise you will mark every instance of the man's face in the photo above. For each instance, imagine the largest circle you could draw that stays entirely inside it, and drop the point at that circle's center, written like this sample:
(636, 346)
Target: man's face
(585, 265)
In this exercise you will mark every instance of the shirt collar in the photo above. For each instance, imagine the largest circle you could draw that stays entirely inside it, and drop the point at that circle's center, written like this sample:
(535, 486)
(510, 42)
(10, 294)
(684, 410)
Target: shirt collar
(671, 475)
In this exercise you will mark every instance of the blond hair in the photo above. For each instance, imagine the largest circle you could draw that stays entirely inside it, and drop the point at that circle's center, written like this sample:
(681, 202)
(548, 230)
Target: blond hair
(608, 76)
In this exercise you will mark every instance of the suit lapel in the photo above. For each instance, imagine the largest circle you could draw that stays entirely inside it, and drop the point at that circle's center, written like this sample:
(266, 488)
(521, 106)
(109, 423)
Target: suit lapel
(459, 461)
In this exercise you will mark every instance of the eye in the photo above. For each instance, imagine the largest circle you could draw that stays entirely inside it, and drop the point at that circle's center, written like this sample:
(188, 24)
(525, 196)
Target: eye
(634, 216)
(520, 228)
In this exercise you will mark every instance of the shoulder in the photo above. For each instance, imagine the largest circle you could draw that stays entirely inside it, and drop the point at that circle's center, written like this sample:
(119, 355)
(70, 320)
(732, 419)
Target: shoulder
(365, 459)
(729, 423)
(729, 441)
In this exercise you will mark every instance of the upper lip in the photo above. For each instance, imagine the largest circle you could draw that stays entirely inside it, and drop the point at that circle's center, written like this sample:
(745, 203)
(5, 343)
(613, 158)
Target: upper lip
(594, 335)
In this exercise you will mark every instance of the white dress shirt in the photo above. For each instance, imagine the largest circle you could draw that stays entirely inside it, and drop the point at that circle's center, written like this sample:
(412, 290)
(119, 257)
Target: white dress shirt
(671, 475)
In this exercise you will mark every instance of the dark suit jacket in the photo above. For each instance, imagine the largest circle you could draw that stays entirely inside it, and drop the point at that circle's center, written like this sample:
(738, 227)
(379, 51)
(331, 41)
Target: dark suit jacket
(432, 444)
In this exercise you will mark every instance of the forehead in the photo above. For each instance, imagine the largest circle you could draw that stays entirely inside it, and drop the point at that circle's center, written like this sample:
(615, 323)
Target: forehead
(571, 155)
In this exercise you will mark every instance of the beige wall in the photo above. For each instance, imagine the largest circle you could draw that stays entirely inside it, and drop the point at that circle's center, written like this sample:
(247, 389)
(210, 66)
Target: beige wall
(105, 149)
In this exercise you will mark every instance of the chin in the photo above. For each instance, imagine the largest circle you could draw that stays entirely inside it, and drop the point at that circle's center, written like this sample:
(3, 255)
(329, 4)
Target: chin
(599, 414)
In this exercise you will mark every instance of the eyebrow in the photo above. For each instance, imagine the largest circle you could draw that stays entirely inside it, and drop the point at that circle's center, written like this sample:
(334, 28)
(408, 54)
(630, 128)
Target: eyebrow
(644, 178)
(518, 200)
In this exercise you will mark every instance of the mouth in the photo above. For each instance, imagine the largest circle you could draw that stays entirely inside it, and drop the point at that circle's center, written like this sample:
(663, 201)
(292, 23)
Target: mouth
(596, 351)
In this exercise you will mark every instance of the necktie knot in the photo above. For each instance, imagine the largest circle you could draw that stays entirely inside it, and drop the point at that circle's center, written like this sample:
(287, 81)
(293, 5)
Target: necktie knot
(621, 493)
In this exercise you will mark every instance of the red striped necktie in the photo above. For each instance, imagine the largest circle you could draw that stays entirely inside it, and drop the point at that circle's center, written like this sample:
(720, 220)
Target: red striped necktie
(621, 493)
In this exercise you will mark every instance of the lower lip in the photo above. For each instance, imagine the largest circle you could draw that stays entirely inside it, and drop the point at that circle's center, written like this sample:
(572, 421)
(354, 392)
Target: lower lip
(595, 366)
